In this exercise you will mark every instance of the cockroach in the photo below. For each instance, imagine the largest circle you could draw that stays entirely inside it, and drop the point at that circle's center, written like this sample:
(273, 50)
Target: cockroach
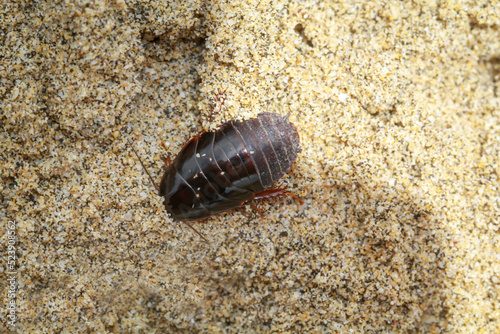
(220, 170)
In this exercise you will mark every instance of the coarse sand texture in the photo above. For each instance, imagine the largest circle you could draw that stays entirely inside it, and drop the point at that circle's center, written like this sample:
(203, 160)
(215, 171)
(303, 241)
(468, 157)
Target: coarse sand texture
(397, 105)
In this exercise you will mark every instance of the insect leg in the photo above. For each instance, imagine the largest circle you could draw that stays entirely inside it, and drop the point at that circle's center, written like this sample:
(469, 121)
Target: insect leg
(255, 208)
(276, 192)
(219, 99)
(215, 107)
(168, 159)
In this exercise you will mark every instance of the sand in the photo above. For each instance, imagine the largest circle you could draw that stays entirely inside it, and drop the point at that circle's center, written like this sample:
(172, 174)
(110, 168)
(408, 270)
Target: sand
(397, 106)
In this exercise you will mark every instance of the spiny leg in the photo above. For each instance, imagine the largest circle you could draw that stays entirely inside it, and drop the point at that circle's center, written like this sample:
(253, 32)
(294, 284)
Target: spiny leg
(219, 98)
(255, 208)
(276, 192)
(215, 107)
(168, 159)
(283, 191)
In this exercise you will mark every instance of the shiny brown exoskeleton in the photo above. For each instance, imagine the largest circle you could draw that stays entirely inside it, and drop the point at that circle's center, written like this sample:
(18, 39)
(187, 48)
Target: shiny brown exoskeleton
(221, 170)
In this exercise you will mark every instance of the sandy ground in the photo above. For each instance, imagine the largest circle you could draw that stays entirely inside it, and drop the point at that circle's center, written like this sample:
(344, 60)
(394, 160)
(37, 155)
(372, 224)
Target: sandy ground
(397, 106)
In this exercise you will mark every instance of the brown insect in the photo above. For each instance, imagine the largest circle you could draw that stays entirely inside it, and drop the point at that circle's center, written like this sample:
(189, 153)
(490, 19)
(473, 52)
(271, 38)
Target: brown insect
(220, 170)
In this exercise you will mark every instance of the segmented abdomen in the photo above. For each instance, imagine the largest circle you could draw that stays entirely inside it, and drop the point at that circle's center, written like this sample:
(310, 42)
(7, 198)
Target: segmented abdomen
(220, 170)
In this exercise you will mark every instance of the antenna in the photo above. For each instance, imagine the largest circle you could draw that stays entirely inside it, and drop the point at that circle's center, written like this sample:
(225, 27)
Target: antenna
(142, 164)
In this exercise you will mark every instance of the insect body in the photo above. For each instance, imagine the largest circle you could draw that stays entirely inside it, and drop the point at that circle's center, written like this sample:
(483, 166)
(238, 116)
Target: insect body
(220, 170)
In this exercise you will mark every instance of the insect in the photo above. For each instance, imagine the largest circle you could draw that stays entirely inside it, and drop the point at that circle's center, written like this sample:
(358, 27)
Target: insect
(220, 170)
